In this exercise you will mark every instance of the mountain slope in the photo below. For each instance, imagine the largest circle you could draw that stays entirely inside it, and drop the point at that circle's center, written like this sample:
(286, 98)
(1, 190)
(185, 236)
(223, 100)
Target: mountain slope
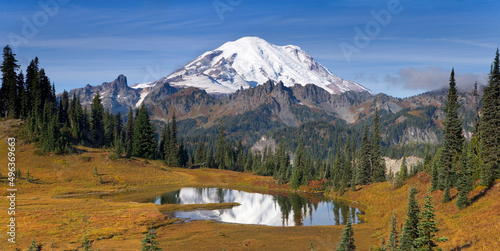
(251, 61)
(116, 95)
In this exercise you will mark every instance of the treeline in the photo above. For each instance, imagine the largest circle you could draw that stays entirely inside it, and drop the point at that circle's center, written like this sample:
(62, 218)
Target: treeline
(460, 163)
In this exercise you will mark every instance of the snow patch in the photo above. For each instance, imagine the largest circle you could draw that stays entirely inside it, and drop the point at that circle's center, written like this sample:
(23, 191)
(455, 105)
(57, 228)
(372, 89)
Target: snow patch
(144, 85)
(143, 96)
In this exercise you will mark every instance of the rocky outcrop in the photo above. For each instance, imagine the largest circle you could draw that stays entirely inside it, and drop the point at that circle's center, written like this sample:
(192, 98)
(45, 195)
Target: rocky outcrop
(116, 95)
(394, 165)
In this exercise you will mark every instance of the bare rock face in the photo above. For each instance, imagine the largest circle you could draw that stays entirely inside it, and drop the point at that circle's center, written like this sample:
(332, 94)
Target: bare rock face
(394, 165)
(264, 143)
(418, 135)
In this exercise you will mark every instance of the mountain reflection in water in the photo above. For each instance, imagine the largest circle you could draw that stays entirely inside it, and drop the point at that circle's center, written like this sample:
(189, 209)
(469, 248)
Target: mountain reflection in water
(262, 209)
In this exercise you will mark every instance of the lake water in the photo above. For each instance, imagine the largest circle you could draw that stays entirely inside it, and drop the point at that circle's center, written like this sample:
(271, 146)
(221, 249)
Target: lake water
(263, 209)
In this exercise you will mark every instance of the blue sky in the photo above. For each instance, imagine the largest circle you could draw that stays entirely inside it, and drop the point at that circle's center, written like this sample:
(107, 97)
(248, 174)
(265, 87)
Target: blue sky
(412, 51)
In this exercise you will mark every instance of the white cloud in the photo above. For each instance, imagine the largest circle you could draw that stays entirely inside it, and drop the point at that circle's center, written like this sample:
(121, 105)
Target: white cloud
(432, 78)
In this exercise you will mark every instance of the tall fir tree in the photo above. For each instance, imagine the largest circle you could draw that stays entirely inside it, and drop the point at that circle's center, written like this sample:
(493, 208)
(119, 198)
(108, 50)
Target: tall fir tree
(118, 131)
(20, 95)
(96, 120)
(168, 146)
(109, 128)
(8, 92)
(453, 138)
(143, 139)
(298, 166)
(161, 145)
(200, 151)
(378, 173)
(434, 177)
(221, 146)
(129, 133)
(489, 126)
(427, 158)
(31, 83)
(174, 148)
(475, 130)
(365, 160)
(182, 156)
(410, 228)
(62, 111)
(403, 172)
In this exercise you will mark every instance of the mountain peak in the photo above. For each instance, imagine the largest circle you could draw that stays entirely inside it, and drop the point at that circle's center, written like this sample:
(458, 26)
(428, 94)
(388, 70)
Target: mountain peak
(251, 61)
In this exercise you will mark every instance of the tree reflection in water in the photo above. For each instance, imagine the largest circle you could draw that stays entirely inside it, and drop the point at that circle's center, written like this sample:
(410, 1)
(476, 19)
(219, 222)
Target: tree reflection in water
(274, 210)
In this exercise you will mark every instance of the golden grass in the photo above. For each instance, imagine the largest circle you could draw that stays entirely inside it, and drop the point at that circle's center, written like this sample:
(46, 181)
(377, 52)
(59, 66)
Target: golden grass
(48, 212)
(477, 226)
(115, 223)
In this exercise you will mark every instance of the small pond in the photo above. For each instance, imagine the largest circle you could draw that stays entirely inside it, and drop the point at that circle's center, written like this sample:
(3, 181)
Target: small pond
(263, 209)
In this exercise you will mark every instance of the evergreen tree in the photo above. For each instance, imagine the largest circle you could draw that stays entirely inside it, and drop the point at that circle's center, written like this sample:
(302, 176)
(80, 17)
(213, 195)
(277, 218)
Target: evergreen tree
(354, 171)
(34, 246)
(143, 139)
(240, 157)
(200, 151)
(118, 126)
(174, 148)
(378, 163)
(347, 240)
(20, 111)
(428, 158)
(347, 175)
(393, 234)
(337, 170)
(118, 134)
(427, 229)
(182, 156)
(8, 91)
(86, 243)
(109, 128)
(31, 83)
(42, 94)
(475, 129)
(403, 172)
(96, 120)
(453, 138)
(298, 166)
(149, 243)
(489, 126)
(365, 160)
(161, 145)
(221, 146)
(62, 111)
(410, 228)
(168, 146)
(434, 177)
(129, 132)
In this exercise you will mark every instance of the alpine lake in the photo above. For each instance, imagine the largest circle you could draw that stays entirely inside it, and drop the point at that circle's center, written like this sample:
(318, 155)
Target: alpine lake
(270, 209)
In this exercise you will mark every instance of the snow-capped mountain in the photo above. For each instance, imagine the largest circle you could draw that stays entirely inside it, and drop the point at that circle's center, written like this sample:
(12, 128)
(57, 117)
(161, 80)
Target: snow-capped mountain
(251, 61)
